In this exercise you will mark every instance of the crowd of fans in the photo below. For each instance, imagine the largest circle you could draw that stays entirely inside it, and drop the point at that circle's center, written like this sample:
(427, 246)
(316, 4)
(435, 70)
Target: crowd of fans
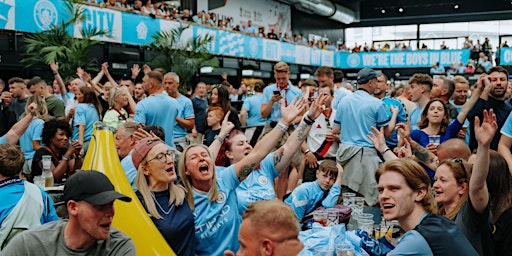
(190, 159)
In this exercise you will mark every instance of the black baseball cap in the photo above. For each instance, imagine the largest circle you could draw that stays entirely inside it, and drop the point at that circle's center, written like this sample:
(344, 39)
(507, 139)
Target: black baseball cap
(93, 187)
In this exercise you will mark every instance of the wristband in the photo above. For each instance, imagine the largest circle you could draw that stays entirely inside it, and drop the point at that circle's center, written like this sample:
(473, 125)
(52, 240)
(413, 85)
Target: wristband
(282, 127)
(385, 150)
(307, 120)
(219, 138)
(66, 158)
(55, 73)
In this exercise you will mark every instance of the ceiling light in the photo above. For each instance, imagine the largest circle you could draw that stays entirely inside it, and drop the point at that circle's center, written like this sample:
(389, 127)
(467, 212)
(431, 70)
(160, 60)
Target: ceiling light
(400, 9)
(383, 11)
(456, 7)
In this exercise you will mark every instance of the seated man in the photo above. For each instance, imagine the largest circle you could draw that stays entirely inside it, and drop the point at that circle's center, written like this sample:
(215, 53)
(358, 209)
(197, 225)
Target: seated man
(405, 195)
(89, 197)
(269, 228)
(311, 195)
(23, 204)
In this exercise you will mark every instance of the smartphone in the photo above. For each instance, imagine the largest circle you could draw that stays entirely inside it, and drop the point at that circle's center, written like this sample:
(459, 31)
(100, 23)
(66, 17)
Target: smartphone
(277, 93)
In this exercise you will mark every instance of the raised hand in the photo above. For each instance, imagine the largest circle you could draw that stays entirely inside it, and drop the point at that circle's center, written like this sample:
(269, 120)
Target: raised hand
(32, 108)
(226, 126)
(54, 66)
(290, 112)
(80, 72)
(317, 106)
(484, 132)
(377, 138)
(135, 70)
(146, 68)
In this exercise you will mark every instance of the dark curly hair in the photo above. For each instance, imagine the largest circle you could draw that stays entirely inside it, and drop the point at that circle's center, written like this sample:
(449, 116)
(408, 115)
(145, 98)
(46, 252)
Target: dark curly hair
(51, 127)
(423, 123)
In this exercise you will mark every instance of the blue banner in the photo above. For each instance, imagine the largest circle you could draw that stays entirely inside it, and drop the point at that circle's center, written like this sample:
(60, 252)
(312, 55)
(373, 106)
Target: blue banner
(402, 59)
(128, 28)
(506, 56)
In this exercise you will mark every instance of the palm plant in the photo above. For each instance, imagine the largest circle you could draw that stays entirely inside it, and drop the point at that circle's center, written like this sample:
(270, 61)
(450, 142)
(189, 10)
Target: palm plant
(57, 44)
(184, 57)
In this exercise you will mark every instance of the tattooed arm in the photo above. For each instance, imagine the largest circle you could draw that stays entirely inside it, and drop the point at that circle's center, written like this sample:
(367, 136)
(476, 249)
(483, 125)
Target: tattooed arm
(423, 155)
(245, 166)
(283, 156)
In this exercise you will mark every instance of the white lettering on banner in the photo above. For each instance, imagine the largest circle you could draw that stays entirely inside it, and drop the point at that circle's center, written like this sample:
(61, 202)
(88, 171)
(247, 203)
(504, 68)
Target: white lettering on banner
(507, 56)
(376, 59)
(434, 57)
(416, 58)
(451, 57)
(98, 19)
(397, 59)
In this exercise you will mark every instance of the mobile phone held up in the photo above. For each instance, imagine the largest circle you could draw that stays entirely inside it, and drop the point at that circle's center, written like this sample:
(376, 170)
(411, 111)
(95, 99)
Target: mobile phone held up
(277, 93)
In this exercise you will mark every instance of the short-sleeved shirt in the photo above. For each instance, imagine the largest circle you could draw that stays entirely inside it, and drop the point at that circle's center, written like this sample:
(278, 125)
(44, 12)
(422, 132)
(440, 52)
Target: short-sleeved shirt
(129, 169)
(33, 133)
(85, 114)
(288, 96)
(38, 157)
(114, 118)
(18, 106)
(161, 110)
(176, 225)
(48, 239)
(253, 107)
(316, 135)
(186, 111)
(217, 223)
(356, 118)
(412, 243)
(55, 106)
(305, 197)
(3, 140)
(11, 191)
(259, 185)
(415, 118)
(400, 119)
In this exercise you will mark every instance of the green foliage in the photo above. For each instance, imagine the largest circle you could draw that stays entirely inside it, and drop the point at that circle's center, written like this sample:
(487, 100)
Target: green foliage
(184, 57)
(57, 44)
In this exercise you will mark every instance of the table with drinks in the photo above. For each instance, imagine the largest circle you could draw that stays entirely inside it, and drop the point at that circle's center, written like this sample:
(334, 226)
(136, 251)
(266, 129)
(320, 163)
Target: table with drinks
(56, 191)
(359, 219)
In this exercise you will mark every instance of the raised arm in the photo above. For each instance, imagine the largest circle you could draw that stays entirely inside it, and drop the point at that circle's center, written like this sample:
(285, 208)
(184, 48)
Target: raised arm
(244, 167)
(379, 142)
(225, 129)
(482, 87)
(54, 66)
(484, 133)
(504, 149)
(14, 134)
(388, 130)
(283, 156)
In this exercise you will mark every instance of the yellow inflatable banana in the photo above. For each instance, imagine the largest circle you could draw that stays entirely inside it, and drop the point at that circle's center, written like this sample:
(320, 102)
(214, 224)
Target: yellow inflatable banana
(131, 218)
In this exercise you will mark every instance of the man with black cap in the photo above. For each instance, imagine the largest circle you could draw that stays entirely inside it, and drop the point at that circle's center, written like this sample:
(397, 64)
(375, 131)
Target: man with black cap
(89, 198)
(355, 116)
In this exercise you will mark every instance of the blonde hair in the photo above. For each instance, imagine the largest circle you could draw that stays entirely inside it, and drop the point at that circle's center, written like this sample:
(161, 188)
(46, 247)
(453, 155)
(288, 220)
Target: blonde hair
(187, 180)
(41, 110)
(113, 92)
(176, 192)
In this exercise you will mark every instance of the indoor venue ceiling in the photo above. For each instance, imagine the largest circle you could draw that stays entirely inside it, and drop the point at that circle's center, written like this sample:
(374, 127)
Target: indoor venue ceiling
(395, 12)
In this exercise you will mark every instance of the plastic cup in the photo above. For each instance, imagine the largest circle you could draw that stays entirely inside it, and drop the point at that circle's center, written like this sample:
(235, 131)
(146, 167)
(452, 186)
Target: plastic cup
(344, 249)
(434, 139)
(320, 217)
(348, 198)
(358, 205)
(324, 251)
(39, 181)
(47, 161)
(366, 225)
(332, 217)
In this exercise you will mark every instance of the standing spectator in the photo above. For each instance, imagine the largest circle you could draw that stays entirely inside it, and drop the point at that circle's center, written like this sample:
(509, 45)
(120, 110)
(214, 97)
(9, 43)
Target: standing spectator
(117, 100)
(89, 197)
(275, 95)
(421, 85)
(87, 112)
(30, 141)
(442, 88)
(24, 205)
(17, 87)
(200, 104)
(437, 69)
(38, 87)
(186, 16)
(272, 35)
(213, 120)
(459, 97)
(125, 142)
(137, 7)
(356, 153)
(251, 109)
(492, 97)
(13, 135)
(198, 18)
(74, 87)
(185, 118)
(158, 108)
(250, 29)
(138, 92)
(405, 99)
(220, 98)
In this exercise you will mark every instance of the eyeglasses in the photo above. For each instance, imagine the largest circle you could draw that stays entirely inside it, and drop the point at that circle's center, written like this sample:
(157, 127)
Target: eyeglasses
(461, 163)
(162, 156)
